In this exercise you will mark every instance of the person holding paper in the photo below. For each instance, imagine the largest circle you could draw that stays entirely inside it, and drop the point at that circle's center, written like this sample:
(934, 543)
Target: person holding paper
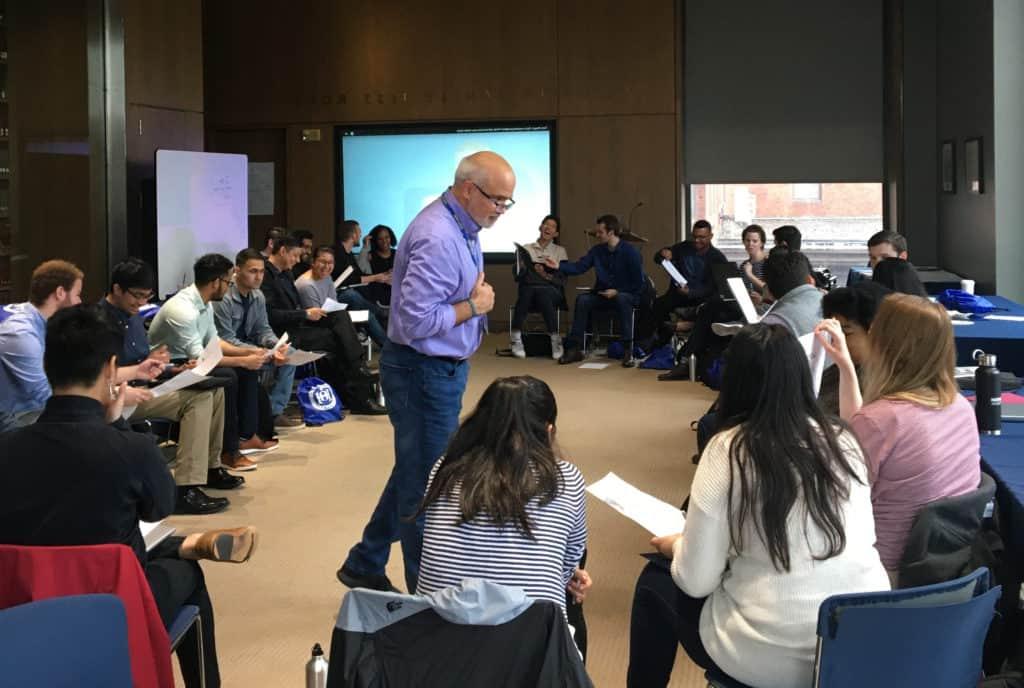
(347, 236)
(315, 285)
(439, 308)
(779, 519)
(693, 260)
(918, 432)
(313, 329)
(619, 287)
(200, 413)
(377, 257)
(503, 505)
(241, 318)
(540, 288)
(82, 476)
(185, 326)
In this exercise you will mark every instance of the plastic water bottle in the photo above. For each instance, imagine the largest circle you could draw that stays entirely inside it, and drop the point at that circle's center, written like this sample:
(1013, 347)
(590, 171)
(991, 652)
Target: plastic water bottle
(316, 669)
(988, 407)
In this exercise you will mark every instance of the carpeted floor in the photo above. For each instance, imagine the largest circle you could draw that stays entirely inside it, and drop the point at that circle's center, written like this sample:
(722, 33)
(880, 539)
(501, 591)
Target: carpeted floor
(311, 498)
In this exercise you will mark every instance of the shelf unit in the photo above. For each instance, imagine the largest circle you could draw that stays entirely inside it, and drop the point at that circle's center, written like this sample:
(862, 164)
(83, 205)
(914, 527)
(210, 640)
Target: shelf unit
(6, 243)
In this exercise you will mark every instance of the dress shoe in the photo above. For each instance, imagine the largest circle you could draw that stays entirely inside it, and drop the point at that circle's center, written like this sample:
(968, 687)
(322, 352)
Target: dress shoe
(256, 444)
(284, 422)
(219, 479)
(237, 462)
(234, 545)
(371, 581)
(680, 372)
(571, 356)
(192, 500)
(369, 407)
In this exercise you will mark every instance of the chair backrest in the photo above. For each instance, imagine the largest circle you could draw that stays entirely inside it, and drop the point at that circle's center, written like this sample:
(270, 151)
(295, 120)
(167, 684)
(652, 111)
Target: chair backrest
(941, 540)
(30, 574)
(926, 636)
(78, 641)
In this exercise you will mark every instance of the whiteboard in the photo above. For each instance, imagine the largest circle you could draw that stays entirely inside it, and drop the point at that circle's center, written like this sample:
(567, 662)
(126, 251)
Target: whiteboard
(202, 206)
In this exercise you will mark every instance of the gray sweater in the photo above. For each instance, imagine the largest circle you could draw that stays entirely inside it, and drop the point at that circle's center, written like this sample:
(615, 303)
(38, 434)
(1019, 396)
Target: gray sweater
(799, 310)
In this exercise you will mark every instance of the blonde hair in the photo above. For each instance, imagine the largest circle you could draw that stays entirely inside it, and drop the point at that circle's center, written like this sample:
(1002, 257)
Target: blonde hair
(911, 353)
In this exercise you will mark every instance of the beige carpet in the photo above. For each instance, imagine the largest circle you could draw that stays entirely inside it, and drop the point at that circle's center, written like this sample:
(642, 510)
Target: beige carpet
(311, 498)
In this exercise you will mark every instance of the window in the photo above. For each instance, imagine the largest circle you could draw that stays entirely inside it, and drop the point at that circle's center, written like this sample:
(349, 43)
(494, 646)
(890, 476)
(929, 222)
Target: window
(807, 192)
(835, 228)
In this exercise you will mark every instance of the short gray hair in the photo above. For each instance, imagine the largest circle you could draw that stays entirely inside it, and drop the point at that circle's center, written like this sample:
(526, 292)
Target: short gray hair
(470, 169)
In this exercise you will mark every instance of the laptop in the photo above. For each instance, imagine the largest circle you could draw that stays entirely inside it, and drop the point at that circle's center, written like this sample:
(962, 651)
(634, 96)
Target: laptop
(720, 274)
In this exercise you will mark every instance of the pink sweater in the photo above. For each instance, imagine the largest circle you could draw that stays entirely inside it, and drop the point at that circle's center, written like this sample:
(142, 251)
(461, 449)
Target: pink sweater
(915, 455)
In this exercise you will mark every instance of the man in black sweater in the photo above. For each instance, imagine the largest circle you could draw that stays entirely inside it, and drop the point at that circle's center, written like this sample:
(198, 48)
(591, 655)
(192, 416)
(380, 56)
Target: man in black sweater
(314, 329)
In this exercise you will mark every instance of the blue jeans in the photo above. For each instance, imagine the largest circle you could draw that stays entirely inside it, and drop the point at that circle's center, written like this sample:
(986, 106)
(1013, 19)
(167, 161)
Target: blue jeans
(424, 401)
(622, 304)
(356, 301)
(281, 391)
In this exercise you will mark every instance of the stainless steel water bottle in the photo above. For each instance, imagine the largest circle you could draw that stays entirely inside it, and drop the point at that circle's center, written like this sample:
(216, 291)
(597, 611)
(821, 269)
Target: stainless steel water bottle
(988, 407)
(316, 669)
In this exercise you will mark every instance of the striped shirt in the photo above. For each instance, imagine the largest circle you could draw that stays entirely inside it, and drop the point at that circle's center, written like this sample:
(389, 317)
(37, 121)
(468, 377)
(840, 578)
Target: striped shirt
(541, 567)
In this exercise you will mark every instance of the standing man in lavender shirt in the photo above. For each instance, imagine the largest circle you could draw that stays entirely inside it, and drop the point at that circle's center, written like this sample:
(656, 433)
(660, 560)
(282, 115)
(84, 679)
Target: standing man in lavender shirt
(439, 305)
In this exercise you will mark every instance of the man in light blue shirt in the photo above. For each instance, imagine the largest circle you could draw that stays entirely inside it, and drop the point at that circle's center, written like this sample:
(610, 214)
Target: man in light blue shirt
(241, 318)
(24, 389)
(439, 305)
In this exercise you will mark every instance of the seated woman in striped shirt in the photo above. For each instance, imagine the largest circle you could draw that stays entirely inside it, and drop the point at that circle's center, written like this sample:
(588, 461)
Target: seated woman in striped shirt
(501, 505)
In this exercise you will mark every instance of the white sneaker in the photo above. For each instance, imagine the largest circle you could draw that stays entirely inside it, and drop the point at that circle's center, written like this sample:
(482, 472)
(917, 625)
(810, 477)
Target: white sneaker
(557, 350)
(728, 329)
(516, 339)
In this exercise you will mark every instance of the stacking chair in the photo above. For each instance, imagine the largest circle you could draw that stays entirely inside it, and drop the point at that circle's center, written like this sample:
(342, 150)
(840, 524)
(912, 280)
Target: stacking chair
(78, 641)
(926, 636)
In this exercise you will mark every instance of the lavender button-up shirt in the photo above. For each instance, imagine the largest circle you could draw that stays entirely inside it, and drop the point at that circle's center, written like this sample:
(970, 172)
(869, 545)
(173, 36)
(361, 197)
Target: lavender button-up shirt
(436, 266)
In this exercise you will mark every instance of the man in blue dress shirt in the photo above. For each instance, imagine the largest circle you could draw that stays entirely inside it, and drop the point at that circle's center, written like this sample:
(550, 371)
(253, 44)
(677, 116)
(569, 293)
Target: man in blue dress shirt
(439, 305)
(55, 284)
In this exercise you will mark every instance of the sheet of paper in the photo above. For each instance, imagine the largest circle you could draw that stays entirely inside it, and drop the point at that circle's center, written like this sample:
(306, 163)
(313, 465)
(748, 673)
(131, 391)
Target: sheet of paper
(657, 517)
(359, 316)
(332, 306)
(816, 358)
(210, 357)
(676, 276)
(962, 322)
(1010, 318)
(299, 357)
(742, 296)
(342, 277)
(594, 366)
(154, 533)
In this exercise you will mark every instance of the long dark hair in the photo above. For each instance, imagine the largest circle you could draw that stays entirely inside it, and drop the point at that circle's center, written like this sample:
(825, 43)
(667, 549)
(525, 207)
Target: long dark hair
(501, 457)
(786, 448)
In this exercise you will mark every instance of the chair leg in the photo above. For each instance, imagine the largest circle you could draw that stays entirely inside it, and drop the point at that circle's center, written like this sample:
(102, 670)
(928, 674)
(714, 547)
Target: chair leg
(199, 651)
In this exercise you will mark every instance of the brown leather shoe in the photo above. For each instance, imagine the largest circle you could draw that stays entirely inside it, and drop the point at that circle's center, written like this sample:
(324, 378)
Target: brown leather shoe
(284, 422)
(256, 444)
(229, 544)
(237, 462)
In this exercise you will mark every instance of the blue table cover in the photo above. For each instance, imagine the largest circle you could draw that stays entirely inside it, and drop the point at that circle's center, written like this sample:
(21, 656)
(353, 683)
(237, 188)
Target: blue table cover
(1003, 338)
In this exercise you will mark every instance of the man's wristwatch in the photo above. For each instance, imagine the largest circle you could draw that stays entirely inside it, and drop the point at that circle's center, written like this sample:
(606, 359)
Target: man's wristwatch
(472, 308)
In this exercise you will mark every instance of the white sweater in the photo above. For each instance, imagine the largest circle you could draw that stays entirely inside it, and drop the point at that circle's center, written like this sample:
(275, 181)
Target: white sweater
(759, 623)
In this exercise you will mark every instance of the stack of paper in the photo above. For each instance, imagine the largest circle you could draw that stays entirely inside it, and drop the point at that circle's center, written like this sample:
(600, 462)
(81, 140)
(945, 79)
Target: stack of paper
(206, 362)
(658, 517)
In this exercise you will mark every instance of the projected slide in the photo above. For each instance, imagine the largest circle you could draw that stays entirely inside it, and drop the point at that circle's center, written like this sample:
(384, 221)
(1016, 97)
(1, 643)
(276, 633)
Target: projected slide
(202, 206)
(388, 178)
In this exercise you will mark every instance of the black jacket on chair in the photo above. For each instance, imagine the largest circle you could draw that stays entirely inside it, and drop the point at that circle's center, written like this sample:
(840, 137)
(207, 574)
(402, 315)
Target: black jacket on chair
(941, 542)
(476, 634)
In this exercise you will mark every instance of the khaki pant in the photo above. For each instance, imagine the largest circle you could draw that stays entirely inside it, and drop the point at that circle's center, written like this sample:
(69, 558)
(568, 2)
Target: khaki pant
(201, 436)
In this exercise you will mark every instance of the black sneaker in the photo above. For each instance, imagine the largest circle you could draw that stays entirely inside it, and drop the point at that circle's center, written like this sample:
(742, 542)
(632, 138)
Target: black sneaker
(372, 581)
(571, 356)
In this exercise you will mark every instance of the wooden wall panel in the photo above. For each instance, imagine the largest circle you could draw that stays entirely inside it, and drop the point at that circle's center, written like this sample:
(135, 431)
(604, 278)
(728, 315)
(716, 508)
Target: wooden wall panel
(373, 61)
(311, 202)
(616, 57)
(164, 53)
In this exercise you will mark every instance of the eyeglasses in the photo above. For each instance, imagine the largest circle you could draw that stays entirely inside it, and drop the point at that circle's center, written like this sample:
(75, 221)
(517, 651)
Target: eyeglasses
(140, 294)
(499, 203)
(227, 280)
